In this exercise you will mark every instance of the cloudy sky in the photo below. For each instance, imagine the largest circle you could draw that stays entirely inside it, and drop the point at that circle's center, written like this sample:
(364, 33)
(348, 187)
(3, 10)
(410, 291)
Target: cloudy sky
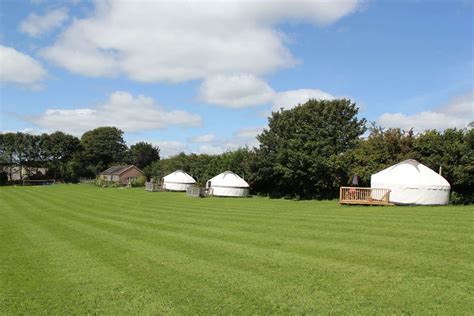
(202, 76)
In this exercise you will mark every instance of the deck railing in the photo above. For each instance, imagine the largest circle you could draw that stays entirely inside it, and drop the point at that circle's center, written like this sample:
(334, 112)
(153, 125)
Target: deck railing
(370, 196)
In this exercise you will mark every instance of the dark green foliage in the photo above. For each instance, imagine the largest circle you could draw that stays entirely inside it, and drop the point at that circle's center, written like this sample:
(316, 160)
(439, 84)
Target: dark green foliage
(453, 151)
(299, 154)
(8, 151)
(59, 149)
(102, 147)
(21, 150)
(138, 182)
(3, 178)
(381, 149)
(142, 154)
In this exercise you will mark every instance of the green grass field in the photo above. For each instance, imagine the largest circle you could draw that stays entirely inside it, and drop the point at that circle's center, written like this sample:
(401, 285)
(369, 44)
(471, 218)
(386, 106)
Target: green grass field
(81, 249)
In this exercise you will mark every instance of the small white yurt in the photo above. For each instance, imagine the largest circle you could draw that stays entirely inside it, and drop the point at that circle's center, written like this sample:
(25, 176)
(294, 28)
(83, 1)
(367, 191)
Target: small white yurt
(178, 181)
(411, 182)
(228, 184)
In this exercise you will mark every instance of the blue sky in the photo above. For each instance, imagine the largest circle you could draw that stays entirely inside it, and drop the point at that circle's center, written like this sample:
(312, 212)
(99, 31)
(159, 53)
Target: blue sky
(203, 76)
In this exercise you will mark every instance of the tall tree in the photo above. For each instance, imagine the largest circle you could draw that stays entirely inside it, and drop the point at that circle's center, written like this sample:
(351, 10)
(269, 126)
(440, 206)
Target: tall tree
(453, 151)
(103, 146)
(8, 151)
(143, 154)
(298, 153)
(59, 149)
(382, 148)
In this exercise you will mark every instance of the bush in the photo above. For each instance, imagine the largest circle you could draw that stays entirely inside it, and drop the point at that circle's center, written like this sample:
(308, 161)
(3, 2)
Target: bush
(139, 182)
(99, 182)
(106, 184)
(461, 199)
(3, 178)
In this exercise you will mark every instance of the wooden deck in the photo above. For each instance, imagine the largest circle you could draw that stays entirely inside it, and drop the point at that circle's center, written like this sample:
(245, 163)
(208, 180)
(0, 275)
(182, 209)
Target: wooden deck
(364, 196)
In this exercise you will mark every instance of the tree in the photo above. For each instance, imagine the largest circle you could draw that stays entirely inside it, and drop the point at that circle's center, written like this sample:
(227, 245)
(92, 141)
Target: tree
(59, 148)
(8, 151)
(298, 153)
(102, 147)
(453, 150)
(143, 154)
(381, 149)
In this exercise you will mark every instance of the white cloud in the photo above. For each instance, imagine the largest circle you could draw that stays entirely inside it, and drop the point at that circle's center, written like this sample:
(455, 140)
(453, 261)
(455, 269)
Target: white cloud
(459, 112)
(290, 99)
(122, 110)
(235, 91)
(36, 25)
(207, 138)
(248, 132)
(19, 68)
(25, 131)
(184, 40)
(170, 148)
(241, 138)
(212, 149)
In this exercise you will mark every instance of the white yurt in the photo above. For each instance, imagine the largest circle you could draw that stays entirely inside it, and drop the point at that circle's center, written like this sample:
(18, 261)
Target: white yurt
(411, 182)
(228, 184)
(178, 181)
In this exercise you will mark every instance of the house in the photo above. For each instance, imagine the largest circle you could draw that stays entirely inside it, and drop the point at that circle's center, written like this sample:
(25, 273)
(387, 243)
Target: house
(121, 174)
(17, 173)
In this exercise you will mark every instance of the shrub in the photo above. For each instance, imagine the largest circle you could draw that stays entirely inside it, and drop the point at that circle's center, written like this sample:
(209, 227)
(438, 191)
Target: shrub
(3, 178)
(139, 182)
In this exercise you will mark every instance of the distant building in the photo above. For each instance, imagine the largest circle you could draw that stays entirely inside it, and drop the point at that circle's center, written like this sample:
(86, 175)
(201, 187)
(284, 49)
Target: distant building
(17, 173)
(121, 174)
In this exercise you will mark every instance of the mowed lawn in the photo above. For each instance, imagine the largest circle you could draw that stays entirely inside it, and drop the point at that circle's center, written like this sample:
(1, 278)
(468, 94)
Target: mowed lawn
(82, 249)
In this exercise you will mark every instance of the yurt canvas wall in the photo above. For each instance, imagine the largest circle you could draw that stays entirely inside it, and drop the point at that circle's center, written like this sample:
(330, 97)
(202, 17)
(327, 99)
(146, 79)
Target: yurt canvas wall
(178, 181)
(411, 182)
(228, 184)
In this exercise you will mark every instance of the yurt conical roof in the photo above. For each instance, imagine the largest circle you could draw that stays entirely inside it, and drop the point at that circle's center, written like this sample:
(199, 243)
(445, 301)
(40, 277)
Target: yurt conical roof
(229, 179)
(410, 172)
(179, 176)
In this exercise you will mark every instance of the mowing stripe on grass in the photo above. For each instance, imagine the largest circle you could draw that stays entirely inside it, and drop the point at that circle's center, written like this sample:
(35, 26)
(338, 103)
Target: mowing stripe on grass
(129, 251)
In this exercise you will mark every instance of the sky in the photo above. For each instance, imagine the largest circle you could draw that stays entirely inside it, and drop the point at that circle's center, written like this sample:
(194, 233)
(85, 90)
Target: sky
(203, 76)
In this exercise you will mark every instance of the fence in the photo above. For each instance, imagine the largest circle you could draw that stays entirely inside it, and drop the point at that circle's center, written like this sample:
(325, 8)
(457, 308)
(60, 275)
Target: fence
(39, 182)
(152, 186)
(87, 181)
(195, 191)
(369, 196)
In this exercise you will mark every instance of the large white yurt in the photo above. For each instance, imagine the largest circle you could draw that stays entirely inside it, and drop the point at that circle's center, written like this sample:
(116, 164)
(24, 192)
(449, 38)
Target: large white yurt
(178, 181)
(411, 182)
(228, 184)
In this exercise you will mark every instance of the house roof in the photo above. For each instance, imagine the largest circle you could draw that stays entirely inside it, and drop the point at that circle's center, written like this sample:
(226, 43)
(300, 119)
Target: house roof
(118, 170)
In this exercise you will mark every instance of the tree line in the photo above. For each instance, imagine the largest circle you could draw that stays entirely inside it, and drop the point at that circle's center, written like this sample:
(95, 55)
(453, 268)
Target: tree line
(68, 158)
(306, 153)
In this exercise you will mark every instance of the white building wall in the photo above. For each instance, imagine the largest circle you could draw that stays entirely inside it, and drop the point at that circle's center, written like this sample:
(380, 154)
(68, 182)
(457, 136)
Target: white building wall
(417, 195)
(173, 186)
(229, 191)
